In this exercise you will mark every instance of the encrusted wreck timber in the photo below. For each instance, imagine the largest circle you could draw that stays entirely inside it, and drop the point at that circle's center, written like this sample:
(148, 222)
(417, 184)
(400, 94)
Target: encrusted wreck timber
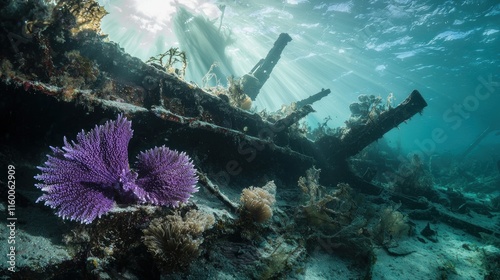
(253, 81)
(292, 118)
(177, 96)
(214, 189)
(313, 98)
(333, 150)
(173, 109)
(111, 74)
(358, 137)
(235, 135)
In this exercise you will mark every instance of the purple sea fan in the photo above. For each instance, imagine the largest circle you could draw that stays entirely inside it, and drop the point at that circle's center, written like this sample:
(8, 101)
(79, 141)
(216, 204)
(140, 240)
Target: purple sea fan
(84, 179)
(167, 176)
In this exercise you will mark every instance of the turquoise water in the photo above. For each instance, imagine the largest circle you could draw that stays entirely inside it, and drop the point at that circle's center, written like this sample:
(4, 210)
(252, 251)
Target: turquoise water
(447, 50)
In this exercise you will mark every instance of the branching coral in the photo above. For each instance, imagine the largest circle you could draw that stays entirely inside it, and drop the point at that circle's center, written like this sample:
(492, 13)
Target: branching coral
(321, 130)
(331, 211)
(392, 225)
(174, 241)
(84, 179)
(170, 60)
(315, 208)
(257, 203)
(284, 255)
(234, 93)
(368, 109)
(334, 221)
(237, 96)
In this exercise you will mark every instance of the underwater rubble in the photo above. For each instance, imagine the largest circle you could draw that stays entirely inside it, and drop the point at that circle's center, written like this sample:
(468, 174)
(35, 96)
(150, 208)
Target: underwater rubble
(271, 200)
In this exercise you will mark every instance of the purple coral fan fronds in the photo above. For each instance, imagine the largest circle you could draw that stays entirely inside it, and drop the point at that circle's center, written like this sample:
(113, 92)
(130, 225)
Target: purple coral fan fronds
(167, 176)
(82, 178)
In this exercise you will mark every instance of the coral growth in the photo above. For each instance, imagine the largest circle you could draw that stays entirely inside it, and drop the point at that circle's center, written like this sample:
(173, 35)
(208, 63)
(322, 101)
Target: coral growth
(257, 203)
(413, 178)
(315, 210)
(236, 94)
(84, 179)
(174, 241)
(87, 15)
(334, 221)
(211, 78)
(321, 130)
(367, 109)
(336, 211)
(392, 225)
(285, 255)
(80, 66)
(170, 61)
(81, 178)
(107, 244)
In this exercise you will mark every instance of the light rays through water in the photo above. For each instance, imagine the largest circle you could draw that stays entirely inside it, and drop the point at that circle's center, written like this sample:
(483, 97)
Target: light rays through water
(377, 47)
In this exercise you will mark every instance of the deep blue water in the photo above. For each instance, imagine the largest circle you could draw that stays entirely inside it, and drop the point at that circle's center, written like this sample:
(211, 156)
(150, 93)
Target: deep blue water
(448, 50)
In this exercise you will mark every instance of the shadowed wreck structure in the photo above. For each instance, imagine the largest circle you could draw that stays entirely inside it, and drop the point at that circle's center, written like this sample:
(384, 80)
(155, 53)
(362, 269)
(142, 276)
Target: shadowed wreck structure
(59, 75)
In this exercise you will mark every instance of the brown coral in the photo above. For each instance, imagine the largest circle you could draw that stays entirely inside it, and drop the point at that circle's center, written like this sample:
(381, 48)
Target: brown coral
(315, 209)
(328, 211)
(392, 225)
(174, 241)
(257, 203)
